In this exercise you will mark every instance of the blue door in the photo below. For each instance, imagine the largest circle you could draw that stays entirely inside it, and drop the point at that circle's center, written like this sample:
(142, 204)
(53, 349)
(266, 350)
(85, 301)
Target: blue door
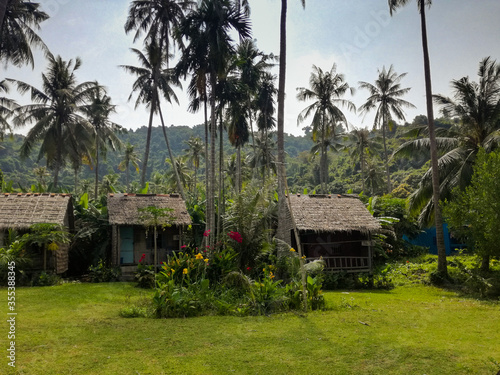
(127, 245)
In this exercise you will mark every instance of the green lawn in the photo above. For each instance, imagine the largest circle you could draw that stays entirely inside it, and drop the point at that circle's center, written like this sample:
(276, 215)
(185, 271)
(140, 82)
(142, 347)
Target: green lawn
(76, 329)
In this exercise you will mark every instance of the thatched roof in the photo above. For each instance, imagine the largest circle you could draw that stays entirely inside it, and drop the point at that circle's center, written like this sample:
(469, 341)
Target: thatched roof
(123, 209)
(332, 213)
(20, 211)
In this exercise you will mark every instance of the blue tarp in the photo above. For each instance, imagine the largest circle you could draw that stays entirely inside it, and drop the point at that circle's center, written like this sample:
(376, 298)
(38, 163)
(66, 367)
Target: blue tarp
(428, 239)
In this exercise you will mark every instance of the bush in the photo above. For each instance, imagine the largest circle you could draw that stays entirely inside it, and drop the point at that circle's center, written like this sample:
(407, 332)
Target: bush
(145, 276)
(45, 279)
(104, 274)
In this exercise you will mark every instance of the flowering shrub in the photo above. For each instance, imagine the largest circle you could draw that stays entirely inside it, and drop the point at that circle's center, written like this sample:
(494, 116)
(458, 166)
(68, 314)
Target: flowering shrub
(235, 236)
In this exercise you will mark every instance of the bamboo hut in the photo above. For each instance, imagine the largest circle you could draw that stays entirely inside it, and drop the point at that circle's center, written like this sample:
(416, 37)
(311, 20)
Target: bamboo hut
(335, 228)
(20, 211)
(130, 238)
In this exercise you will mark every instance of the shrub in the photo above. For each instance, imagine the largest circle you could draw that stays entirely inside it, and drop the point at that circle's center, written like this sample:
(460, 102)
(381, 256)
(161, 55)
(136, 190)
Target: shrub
(103, 274)
(45, 279)
(145, 276)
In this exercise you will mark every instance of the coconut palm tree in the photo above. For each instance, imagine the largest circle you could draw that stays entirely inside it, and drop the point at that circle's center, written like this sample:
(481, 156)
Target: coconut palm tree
(385, 99)
(360, 146)
(7, 107)
(194, 155)
(105, 131)
(153, 81)
(208, 33)
(17, 31)
(56, 114)
(129, 157)
(393, 5)
(477, 106)
(326, 89)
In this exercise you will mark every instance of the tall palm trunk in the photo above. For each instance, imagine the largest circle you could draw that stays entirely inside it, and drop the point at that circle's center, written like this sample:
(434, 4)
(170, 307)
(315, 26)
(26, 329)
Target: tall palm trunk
(213, 134)
(127, 177)
(148, 145)
(96, 168)
(220, 206)
(386, 157)
(207, 174)
(442, 264)
(323, 165)
(281, 232)
(171, 155)
(3, 9)
(362, 161)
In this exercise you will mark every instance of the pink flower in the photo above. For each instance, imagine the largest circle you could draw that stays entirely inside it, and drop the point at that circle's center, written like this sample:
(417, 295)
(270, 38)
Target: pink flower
(206, 233)
(183, 246)
(235, 236)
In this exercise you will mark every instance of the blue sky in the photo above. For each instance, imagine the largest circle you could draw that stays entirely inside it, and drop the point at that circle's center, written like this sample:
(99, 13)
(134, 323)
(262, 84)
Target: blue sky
(358, 35)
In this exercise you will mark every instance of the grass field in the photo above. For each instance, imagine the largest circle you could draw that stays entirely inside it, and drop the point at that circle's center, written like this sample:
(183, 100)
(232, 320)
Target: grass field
(76, 329)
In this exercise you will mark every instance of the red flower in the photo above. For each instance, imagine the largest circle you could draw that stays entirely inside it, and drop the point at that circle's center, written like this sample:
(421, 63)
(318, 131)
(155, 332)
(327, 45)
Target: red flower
(142, 258)
(235, 236)
(249, 268)
(183, 246)
(206, 233)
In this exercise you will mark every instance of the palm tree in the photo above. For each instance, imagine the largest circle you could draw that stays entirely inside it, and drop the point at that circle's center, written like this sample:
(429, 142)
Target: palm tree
(7, 107)
(251, 65)
(194, 155)
(105, 131)
(265, 105)
(262, 156)
(129, 157)
(18, 22)
(385, 99)
(158, 19)
(327, 90)
(207, 30)
(360, 145)
(477, 106)
(55, 114)
(282, 205)
(393, 5)
(153, 80)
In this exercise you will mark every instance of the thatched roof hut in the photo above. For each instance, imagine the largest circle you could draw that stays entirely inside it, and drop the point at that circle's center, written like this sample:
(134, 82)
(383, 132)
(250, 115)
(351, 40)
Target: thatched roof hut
(130, 241)
(332, 213)
(20, 211)
(335, 228)
(123, 209)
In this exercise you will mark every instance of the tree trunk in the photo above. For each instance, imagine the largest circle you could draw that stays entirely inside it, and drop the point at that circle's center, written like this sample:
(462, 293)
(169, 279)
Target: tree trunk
(171, 155)
(386, 157)
(485, 264)
(3, 9)
(220, 205)
(213, 134)
(207, 163)
(148, 144)
(127, 176)
(362, 160)
(238, 169)
(282, 233)
(442, 264)
(96, 169)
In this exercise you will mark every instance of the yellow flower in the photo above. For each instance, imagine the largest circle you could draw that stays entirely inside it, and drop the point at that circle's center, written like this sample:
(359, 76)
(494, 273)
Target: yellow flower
(271, 276)
(185, 271)
(199, 256)
(53, 246)
(292, 250)
(303, 257)
(264, 270)
(206, 260)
